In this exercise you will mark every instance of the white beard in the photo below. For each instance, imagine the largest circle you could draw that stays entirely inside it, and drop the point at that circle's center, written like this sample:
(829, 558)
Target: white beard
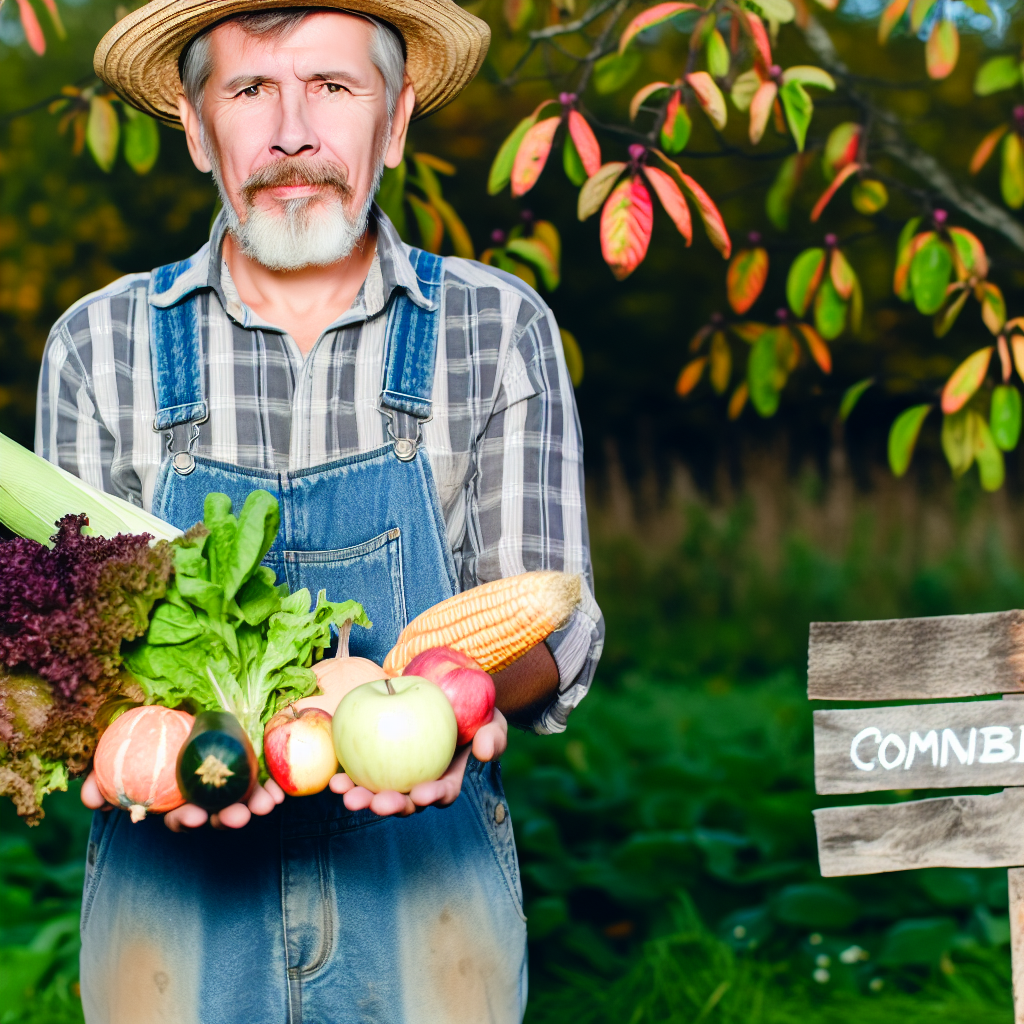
(308, 232)
(311, 231)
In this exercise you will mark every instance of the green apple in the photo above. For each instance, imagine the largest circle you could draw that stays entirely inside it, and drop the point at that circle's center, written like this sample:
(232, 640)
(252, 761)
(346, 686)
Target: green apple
(393, 733)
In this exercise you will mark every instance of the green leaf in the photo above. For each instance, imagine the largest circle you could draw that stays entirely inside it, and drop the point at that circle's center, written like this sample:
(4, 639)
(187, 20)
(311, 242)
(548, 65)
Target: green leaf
(391, 197)
(997, 74)
(171, 624)
(799, 108)
(930, 271)
(991, 465)
(919, 12)
(574, 169)
(717, 55)
(851, 396)
(614, 70)
(958, 441)
(141, 142)
(539, 256)
(918, 941)
(816, 905)
(1005, 416)
(501, 169)
(804, 277)
(783, 188)
(767, 370)
(1011, 179)
(102, 132)
(965, 380)
(781, 11)
(869, 197)
(903, 437)
(829, 310)
(675, 132)
(807, 74)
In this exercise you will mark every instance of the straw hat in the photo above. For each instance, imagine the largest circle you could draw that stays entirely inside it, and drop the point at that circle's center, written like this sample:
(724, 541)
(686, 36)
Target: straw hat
(138, 57)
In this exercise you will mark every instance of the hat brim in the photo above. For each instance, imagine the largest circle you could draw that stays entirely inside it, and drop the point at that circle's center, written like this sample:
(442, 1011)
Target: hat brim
(138, 57)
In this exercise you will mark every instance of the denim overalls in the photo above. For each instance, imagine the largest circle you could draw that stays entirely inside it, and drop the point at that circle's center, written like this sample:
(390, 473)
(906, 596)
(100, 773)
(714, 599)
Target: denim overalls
(314, 913)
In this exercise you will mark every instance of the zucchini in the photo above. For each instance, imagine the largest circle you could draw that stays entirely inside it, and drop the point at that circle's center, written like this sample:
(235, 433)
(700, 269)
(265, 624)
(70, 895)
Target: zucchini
(217, 765)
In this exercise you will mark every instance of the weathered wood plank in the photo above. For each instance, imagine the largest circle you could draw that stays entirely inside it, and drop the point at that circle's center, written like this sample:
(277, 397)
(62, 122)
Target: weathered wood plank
(907, 659)
(1015, 876)
(949, 831)
(919, 746)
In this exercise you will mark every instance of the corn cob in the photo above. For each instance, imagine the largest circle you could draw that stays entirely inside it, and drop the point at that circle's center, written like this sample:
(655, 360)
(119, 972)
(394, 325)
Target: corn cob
(494, 623)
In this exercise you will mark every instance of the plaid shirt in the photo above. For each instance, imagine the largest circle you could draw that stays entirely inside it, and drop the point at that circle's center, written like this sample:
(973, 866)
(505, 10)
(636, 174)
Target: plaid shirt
(504, 441)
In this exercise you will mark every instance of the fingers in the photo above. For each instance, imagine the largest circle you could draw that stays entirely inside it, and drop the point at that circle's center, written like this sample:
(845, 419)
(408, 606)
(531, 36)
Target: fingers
(491, 740)
(263, 800)
(341, 784)
(275, 791)
(233, 816)
(185, 817)
(91, 795)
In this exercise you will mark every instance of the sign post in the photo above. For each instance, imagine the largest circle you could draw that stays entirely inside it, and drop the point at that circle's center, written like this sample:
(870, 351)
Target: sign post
(924, 746)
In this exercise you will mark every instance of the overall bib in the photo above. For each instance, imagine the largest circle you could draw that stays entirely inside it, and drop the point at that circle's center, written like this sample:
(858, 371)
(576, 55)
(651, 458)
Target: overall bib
(314, 914)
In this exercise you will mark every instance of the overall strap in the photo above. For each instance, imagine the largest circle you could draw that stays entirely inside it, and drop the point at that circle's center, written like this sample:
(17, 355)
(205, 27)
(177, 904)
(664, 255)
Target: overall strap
(411, 340)
(176, 361)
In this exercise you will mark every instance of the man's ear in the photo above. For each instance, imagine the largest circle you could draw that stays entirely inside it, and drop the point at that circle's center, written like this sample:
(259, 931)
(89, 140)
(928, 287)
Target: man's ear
(399, 125)
(193, 135)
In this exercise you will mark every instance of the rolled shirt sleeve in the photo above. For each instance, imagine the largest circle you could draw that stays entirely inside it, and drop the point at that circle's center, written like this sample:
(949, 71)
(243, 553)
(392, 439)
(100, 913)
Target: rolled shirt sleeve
(526, 506)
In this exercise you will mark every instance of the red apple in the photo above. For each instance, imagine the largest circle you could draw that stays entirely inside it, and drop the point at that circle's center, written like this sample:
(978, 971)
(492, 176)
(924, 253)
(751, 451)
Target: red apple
(299, 749)
(469, 688)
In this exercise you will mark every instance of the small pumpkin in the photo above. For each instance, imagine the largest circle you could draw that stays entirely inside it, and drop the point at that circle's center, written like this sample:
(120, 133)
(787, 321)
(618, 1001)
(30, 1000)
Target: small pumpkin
(339, 676)
(136, 758)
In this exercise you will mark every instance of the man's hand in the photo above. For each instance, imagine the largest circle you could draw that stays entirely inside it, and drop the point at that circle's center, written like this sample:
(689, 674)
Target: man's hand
(489, 743)
(188, 816)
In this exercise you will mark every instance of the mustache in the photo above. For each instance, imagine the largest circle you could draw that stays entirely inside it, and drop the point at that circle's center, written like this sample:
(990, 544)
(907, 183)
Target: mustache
(297, 171)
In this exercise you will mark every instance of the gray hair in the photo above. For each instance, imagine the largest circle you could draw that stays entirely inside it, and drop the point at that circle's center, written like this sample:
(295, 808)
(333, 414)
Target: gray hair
(386, 50)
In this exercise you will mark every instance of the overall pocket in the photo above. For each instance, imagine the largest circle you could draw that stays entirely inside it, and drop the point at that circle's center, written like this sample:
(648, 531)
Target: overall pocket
(370, 573)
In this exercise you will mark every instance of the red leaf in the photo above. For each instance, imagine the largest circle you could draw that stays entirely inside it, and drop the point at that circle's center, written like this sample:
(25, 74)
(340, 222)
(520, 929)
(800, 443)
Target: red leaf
(965, 380)
(33, 30)
(709, 96)
(738, 400)
(833, 188)
(986, 148)
(652, 16)
(760, 36)
(690, 376)
(761, 110)
(970, 254)
(644, 94)
(532, 155)
(713, 223)
(942, 50)
(672, 199)
(626, 223)
(816, 346)
(586, 143)
(745, 278)
(890, 16)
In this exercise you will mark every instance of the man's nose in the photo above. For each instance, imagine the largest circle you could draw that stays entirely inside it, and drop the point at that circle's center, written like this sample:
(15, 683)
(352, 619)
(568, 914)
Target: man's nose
(294, 134)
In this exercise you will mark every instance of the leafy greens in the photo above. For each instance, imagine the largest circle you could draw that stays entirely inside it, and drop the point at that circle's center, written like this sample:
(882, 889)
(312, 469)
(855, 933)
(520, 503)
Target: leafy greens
(226, 636)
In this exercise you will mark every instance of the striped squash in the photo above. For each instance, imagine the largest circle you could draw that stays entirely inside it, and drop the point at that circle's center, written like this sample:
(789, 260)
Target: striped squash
(494, 623)
(136, 759)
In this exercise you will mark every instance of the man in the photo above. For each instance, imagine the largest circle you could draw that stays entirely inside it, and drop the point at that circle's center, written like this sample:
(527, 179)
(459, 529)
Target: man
(415, 420)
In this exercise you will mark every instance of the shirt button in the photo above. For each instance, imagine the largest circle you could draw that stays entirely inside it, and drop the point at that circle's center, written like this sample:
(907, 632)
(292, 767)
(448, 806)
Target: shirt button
(499, 813)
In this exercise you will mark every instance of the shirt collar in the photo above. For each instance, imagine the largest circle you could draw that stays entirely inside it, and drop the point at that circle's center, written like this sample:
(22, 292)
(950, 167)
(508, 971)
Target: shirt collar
(206, 269)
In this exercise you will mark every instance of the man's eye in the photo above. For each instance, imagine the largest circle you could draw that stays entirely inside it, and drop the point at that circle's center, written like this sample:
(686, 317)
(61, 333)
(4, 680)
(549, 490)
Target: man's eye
(333, 87)
(252, 90)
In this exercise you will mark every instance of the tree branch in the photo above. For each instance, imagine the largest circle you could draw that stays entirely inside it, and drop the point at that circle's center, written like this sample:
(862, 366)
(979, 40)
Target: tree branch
(573, 26)
(894, 142)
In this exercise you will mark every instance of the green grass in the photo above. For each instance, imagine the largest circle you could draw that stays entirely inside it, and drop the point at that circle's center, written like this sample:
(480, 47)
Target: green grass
(666, 839)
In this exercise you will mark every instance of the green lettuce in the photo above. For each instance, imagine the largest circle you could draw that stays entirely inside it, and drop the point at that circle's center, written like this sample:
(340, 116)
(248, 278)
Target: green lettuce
(227, 636)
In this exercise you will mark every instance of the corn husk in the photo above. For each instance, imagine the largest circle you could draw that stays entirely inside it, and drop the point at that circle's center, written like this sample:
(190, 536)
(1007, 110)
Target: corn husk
(34, 494)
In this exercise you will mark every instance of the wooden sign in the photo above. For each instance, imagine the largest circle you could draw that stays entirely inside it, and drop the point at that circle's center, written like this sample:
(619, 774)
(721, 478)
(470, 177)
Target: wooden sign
(923, 746)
